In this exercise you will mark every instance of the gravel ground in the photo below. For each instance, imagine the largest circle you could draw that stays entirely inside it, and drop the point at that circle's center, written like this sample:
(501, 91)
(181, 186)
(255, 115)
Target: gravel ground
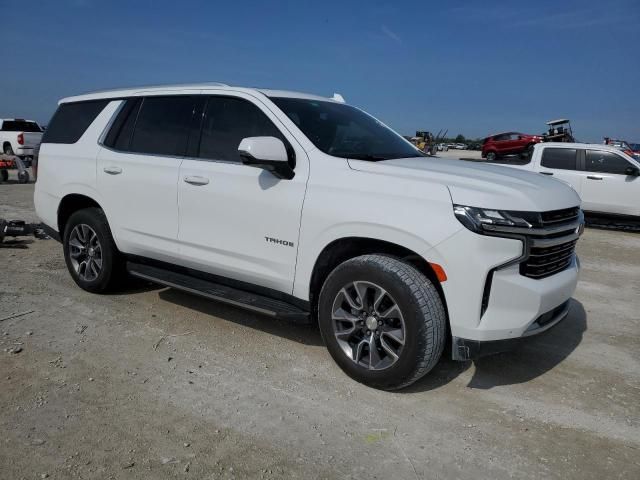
(154, 383)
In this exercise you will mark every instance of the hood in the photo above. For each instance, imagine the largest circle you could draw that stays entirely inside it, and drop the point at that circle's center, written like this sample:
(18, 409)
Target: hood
(480, 184)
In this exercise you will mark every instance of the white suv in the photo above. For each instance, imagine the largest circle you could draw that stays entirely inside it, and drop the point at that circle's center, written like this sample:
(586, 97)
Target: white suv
(304, 208)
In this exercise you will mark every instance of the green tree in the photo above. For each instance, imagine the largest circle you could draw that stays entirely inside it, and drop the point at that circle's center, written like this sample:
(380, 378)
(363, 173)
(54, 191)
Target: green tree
(460, 138)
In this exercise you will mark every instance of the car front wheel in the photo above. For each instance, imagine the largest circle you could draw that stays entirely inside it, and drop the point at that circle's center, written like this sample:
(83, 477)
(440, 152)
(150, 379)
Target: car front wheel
(382, 320)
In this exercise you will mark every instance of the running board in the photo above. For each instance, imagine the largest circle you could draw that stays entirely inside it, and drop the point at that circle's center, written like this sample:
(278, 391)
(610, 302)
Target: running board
(220, 293)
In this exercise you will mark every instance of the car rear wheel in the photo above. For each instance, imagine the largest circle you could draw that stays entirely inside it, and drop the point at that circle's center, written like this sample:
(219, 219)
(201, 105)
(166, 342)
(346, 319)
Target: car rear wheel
(7, 149)
(491, 156)
(90, 252)
(382, 321)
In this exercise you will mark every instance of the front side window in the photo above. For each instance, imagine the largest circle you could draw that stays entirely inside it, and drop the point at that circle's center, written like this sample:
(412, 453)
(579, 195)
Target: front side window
(162, 126)
(344, 131)
(559, 158)
(606, 162)
(226, 122)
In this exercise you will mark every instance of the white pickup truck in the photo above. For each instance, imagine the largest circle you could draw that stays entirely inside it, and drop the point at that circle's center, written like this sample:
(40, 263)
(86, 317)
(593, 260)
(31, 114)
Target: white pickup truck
(19, 137)
(606, 179)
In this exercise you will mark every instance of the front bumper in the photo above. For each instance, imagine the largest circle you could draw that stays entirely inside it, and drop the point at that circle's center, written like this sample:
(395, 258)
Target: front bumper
(488, 298)
(464, 349)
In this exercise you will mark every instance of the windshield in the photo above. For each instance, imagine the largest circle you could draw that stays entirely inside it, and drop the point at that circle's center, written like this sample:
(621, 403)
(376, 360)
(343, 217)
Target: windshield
(20, 126)
(344, 131)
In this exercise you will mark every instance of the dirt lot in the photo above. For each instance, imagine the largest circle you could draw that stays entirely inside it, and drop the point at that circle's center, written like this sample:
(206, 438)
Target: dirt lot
(155, 383)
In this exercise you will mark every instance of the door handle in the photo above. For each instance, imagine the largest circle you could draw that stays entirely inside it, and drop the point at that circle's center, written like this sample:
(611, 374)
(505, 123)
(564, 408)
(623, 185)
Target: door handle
(546, 173)
(112, 170)
(195, 180)
(594, 177)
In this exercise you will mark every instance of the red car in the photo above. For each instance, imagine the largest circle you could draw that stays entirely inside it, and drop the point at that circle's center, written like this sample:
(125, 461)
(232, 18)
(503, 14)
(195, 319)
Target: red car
(507, 144)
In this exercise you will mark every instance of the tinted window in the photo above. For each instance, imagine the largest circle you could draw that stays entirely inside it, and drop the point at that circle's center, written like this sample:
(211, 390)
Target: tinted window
(344, 131)
(560, 158)
(606, 162)
(71, 120)
(162, 126)
(500, 138)
(119, 136)
(20, 126)
(227, 121)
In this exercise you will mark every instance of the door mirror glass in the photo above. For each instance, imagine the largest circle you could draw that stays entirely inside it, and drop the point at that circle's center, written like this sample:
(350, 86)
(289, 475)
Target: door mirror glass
(632, 171)
(268, 153)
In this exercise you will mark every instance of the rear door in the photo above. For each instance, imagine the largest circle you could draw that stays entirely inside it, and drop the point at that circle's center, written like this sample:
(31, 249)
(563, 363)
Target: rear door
(606, 188)
(138, 172)
(239, 221)
(562, 163)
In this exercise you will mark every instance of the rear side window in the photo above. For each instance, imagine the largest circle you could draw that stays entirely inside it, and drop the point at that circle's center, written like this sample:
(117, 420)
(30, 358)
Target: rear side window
(559, 158)
(71, 120)
(119, 136)
(20, 126)
(227, 121)
(606, 162)
(162, 126)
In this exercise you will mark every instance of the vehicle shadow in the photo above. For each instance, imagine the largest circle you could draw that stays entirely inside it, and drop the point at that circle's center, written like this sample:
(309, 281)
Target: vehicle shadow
(307, 334)
(16, 243)
(536, 356)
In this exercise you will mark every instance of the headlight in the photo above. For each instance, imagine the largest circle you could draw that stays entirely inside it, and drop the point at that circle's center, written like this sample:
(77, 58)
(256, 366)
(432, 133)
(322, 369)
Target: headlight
(481, 220)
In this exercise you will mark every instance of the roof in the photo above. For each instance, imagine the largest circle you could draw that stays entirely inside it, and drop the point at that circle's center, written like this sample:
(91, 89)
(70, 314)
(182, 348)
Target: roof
(150, 89)
(556, 122)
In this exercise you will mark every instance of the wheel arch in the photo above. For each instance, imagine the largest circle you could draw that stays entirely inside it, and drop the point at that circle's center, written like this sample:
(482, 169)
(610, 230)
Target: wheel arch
(345, 248)
(70, 204)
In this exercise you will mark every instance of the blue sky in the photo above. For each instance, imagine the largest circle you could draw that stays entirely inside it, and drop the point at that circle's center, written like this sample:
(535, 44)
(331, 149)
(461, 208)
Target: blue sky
(472, 67)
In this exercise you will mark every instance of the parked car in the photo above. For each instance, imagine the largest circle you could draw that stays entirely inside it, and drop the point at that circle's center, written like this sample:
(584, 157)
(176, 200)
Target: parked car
(509, 143)
(19, 137)
(202, 187)
(635, 149)
(605, 177)
(460, 146)
(443, 147)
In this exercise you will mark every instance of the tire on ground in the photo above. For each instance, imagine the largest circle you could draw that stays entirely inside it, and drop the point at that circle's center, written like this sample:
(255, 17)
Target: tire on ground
(113, 271)
(422, 309)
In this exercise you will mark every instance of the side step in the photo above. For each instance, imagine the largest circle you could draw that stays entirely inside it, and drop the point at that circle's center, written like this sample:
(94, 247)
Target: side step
(221, 293)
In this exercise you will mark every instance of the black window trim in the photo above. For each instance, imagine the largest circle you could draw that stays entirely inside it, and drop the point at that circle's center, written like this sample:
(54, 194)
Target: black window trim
(195, 130)
(579, 158)
(291, 153)
(616, 154)
(142, 97)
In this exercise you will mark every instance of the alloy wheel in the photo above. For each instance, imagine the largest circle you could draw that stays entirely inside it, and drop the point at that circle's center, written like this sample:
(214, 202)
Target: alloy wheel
(85, 252)
(368, 325)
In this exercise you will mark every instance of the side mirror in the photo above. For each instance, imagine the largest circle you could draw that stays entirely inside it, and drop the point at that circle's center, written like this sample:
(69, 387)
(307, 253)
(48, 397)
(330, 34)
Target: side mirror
(632, 171)
(268, 153)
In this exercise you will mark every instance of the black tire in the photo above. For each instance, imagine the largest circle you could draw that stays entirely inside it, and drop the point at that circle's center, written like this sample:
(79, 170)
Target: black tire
(4, 174)
(492, 156)
(422, 310)
(527, 153)
(112, 271)
(23, 177)
(7, 149)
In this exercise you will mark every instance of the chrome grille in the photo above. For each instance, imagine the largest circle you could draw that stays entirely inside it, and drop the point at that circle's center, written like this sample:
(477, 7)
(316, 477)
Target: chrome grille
(549, 241)
(545, 261)
(552, 253)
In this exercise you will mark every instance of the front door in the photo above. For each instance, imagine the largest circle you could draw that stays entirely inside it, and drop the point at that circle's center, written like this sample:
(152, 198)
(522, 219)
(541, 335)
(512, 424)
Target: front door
(605, 186)
(239, 221)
